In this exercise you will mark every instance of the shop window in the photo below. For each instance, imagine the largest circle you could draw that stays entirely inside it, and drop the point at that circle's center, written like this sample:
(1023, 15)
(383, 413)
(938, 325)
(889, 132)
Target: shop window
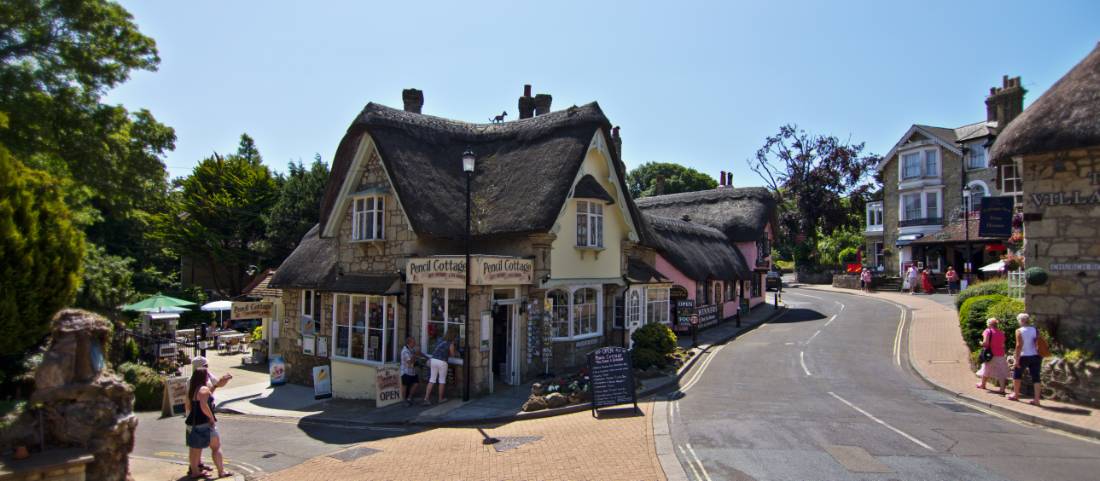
(576, 313)
(585, 315)
(365, 328)
(589, 224)
(446, 310)
(656, 305)
(367, 218)
(757, 284)
(634, 308)
(559, 313)
(716, 288)
(311, 312)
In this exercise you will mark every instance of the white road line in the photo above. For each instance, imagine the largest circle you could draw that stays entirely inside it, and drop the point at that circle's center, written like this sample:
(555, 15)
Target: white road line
(802, 360)
(702, 368)
(690, 464)
(698, 461)
(897, 339)
(877, 420)
(806, 295)
(813, 336)
(831, 319)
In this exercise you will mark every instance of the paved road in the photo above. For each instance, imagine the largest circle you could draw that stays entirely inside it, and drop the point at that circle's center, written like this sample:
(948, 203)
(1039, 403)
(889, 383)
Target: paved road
(811, 396)
(255, 445)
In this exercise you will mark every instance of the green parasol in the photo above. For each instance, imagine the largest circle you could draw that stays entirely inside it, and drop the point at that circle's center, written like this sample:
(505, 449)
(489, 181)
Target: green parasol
(158, 303)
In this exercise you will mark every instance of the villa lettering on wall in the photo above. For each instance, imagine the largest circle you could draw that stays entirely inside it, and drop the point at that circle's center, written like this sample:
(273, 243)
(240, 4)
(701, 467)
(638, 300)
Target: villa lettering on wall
(1076, 197)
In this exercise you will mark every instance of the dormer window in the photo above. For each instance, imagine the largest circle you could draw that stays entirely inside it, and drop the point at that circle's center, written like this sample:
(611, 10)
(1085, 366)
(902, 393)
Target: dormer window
(589, 224)
(368, 218)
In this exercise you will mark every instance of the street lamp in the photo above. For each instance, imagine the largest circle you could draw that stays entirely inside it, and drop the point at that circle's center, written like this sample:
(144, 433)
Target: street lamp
(468, 161)
(966, 211)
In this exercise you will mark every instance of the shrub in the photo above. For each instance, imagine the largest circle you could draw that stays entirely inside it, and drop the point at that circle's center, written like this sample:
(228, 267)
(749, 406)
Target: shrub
(257, 334)
(132, 351)
(1006, 310)
(40, 254)
(981, 289)
(148, 385)
(644, 358)
(972, 316)
(1036, 276)
(657, 337)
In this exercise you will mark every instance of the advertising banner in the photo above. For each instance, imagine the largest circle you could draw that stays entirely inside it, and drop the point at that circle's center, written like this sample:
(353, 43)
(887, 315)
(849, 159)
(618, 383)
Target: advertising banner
(251, 310)
(322, 382)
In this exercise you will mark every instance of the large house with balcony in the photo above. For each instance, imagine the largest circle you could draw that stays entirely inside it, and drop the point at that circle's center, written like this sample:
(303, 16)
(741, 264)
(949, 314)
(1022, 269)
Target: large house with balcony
(933, 179)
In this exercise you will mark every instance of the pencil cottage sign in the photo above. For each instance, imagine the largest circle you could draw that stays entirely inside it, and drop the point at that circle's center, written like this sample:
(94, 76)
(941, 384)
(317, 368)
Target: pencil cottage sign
(487, 270)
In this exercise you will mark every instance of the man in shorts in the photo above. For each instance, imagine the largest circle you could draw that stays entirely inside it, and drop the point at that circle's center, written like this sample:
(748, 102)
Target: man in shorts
(409, 377)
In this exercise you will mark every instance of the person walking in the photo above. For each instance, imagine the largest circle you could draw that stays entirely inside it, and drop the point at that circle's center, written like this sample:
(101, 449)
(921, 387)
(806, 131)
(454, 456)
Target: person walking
(996, 367)
(201, 423)
(911, 279)
(1027, 357)
(438, 365)
(952, 280)
(926, 281)
(865, 280)
(410, 378)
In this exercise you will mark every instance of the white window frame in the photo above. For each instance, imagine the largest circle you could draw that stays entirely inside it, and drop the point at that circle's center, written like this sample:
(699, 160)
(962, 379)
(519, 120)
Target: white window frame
(982, 162)
(363, 216)
(903, 167)
(932, 155)
(874, 216)
(967, 202)
(880, 259)
(425, 315)
(313, 299)
(1016, 179)
(388, 343)
(633, 308)
(923, 170)
(572, 311)
(590, 216)
(657, 305)
(924, 213)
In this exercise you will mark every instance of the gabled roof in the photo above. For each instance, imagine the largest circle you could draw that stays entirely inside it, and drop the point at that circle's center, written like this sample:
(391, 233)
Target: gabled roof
(589, 188)
(261, 286)
(699, 251)
(741, 214)
(524, 172)
(1065, 117)
(945, 137)
(975, 131)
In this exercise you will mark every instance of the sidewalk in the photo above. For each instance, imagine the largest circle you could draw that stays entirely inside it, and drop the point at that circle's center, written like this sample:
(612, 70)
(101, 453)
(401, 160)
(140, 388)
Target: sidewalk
(939, 355)
(294, 401)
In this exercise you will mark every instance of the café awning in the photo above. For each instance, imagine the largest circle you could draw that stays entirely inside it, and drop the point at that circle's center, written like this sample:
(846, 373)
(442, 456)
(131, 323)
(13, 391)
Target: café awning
(907, 239)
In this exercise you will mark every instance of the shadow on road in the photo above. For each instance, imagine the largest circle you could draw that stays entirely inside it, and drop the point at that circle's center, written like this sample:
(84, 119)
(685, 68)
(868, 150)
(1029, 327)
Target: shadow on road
(798, 314)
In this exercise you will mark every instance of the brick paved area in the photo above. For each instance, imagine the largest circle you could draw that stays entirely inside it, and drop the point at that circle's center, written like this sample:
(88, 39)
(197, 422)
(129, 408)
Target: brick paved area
(937, 351)
(570, 447)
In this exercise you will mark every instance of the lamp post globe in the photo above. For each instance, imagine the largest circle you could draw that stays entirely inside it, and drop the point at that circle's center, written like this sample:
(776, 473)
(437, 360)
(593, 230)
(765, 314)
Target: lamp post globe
(468, 161)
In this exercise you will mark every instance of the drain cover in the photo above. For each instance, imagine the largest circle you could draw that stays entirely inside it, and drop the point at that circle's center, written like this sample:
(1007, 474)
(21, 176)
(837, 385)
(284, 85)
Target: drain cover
(353, 453)
(508, 443)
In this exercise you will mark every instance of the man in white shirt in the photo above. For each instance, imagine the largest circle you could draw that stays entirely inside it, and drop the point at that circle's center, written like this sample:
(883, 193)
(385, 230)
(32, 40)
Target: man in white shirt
(409, 376)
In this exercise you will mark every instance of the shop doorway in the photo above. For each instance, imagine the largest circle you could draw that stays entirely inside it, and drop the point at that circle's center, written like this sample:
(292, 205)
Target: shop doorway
(504, 357)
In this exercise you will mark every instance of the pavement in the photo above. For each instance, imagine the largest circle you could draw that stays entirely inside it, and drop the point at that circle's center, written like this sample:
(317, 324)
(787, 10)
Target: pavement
(940, 356)
(827, 391)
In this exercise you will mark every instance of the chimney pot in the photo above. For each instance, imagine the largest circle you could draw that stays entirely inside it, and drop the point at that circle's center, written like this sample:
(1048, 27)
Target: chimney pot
(527, 90)
(542, 104)
(413, 99)
(526, 103)
(721, 178)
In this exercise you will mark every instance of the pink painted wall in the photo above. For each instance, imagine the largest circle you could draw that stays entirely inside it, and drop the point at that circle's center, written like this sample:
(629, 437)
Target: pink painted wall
(748, 249)
(672, 273)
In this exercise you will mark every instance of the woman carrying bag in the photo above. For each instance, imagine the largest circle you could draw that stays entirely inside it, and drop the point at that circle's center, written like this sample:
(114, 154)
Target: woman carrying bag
(994, 363)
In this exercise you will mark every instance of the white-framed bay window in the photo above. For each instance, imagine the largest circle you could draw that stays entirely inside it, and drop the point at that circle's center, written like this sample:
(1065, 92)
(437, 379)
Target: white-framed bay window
(589, 223)
(920, 205)
(657, 305)
(576, 312)
(444, 309)
(874, 216)
(919, 163)
(368, 218)
(364, 328)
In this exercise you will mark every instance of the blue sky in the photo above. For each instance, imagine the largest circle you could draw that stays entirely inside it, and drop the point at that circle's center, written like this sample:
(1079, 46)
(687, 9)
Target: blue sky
(698, 83)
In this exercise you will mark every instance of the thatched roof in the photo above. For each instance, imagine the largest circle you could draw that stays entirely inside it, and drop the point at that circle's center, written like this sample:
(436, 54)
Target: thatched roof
(312, 265)
(524, 169)
(699, 251)
(1065, 117)
(739, 213)
(638, 272)
(589, 188)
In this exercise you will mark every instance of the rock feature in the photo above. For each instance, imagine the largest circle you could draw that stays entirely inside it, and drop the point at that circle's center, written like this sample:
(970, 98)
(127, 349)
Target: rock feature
(534, 403)
(556, 400)
(85, 404)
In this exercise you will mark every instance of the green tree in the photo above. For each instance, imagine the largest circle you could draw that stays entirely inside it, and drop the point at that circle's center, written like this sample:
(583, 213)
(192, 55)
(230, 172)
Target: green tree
(40, 254)
(296, 210)
(107, 283)
(216, 217)
(642, 181)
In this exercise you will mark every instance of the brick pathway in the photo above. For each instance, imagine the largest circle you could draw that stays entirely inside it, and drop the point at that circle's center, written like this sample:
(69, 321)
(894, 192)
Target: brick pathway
(569, 447)
(937, 351)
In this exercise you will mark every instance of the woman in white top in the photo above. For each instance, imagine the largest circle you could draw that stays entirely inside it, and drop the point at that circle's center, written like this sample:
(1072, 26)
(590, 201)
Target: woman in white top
(1027, 357)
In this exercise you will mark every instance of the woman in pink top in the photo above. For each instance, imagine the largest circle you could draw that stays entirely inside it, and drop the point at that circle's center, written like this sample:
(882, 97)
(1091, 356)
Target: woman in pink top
(996, 368)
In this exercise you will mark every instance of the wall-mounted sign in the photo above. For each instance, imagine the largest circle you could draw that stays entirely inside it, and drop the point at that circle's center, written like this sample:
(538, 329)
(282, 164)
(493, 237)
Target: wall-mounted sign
(166, 350)
(388, 386)
(309, 344)
(708, 315)
(487, 270)
(996, 218)
(1075, 266)
(251, 310)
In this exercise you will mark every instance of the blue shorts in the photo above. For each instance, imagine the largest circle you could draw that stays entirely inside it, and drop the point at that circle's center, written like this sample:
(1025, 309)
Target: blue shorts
(1032, 363)
(198, 437)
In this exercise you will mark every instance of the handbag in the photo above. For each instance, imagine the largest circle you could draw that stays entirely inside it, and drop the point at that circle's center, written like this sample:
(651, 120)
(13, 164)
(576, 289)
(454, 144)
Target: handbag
(986, 355)
(1041, 344)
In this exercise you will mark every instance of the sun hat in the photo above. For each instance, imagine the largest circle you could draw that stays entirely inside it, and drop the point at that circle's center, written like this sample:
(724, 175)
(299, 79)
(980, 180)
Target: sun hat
(198, 363)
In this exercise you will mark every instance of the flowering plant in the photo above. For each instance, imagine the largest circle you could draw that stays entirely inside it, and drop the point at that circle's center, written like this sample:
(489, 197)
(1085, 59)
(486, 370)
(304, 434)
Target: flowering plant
(1013, 262)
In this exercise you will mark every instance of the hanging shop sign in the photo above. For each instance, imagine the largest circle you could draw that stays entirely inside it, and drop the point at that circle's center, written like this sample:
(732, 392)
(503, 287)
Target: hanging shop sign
(996, 217)
(487, 270)
(251, 310)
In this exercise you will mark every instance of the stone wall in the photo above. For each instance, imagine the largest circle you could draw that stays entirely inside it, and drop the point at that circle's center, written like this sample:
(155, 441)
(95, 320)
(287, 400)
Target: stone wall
(846, 281)
(377, 257)
(889, 217)
(1062, 210)
(299, 366)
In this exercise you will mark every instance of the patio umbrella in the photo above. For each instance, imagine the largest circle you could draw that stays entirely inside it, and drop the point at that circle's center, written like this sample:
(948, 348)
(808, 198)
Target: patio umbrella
(994, 267)
(157, 303)
(219, 307)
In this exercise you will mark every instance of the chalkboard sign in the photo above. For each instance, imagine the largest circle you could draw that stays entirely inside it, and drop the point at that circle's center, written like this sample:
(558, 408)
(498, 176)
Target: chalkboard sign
(708, 315)
(611, 374)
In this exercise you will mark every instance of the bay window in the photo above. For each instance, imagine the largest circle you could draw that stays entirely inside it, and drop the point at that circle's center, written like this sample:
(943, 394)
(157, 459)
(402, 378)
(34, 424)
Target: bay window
(656, 307)
(585, 315)
(589, 224)
(559, 313)
(931, 204)
(911, 205)
(445, 309)
(874, 216)
(367, 218)
(365, 328)
(577, 312)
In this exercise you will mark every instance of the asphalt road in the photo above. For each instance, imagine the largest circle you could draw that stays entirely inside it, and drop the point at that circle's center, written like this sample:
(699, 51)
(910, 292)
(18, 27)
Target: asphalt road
(255, 445)
(811, 396)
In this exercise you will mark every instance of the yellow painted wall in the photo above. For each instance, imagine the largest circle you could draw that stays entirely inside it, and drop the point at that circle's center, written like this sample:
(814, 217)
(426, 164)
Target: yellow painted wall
(566, 261)
(353, 381)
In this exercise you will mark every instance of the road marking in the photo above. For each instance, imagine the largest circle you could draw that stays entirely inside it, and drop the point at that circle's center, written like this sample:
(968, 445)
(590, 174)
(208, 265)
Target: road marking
(690, 464)
(702, 368)
(897, 338)
(813, 336)
(802, 360)
(831, 319)
(877, 420)
(699, 462)
(171, 456)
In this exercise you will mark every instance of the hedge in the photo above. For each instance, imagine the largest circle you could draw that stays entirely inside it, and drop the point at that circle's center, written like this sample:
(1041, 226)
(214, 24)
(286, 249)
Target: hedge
(981, 289)
(148, 385)
(657, 337)
(972, 316)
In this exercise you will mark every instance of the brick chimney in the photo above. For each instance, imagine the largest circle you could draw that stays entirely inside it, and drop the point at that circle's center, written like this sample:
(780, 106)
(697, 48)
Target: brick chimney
(542, 104)
(617, 140)
(526, 103)
(729, 179)
(722, 179)
(1006, 102)
(414, 100)
(659, 185)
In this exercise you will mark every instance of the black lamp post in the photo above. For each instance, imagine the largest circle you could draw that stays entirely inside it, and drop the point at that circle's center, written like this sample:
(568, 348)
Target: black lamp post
(966, 212)
(468, 160)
